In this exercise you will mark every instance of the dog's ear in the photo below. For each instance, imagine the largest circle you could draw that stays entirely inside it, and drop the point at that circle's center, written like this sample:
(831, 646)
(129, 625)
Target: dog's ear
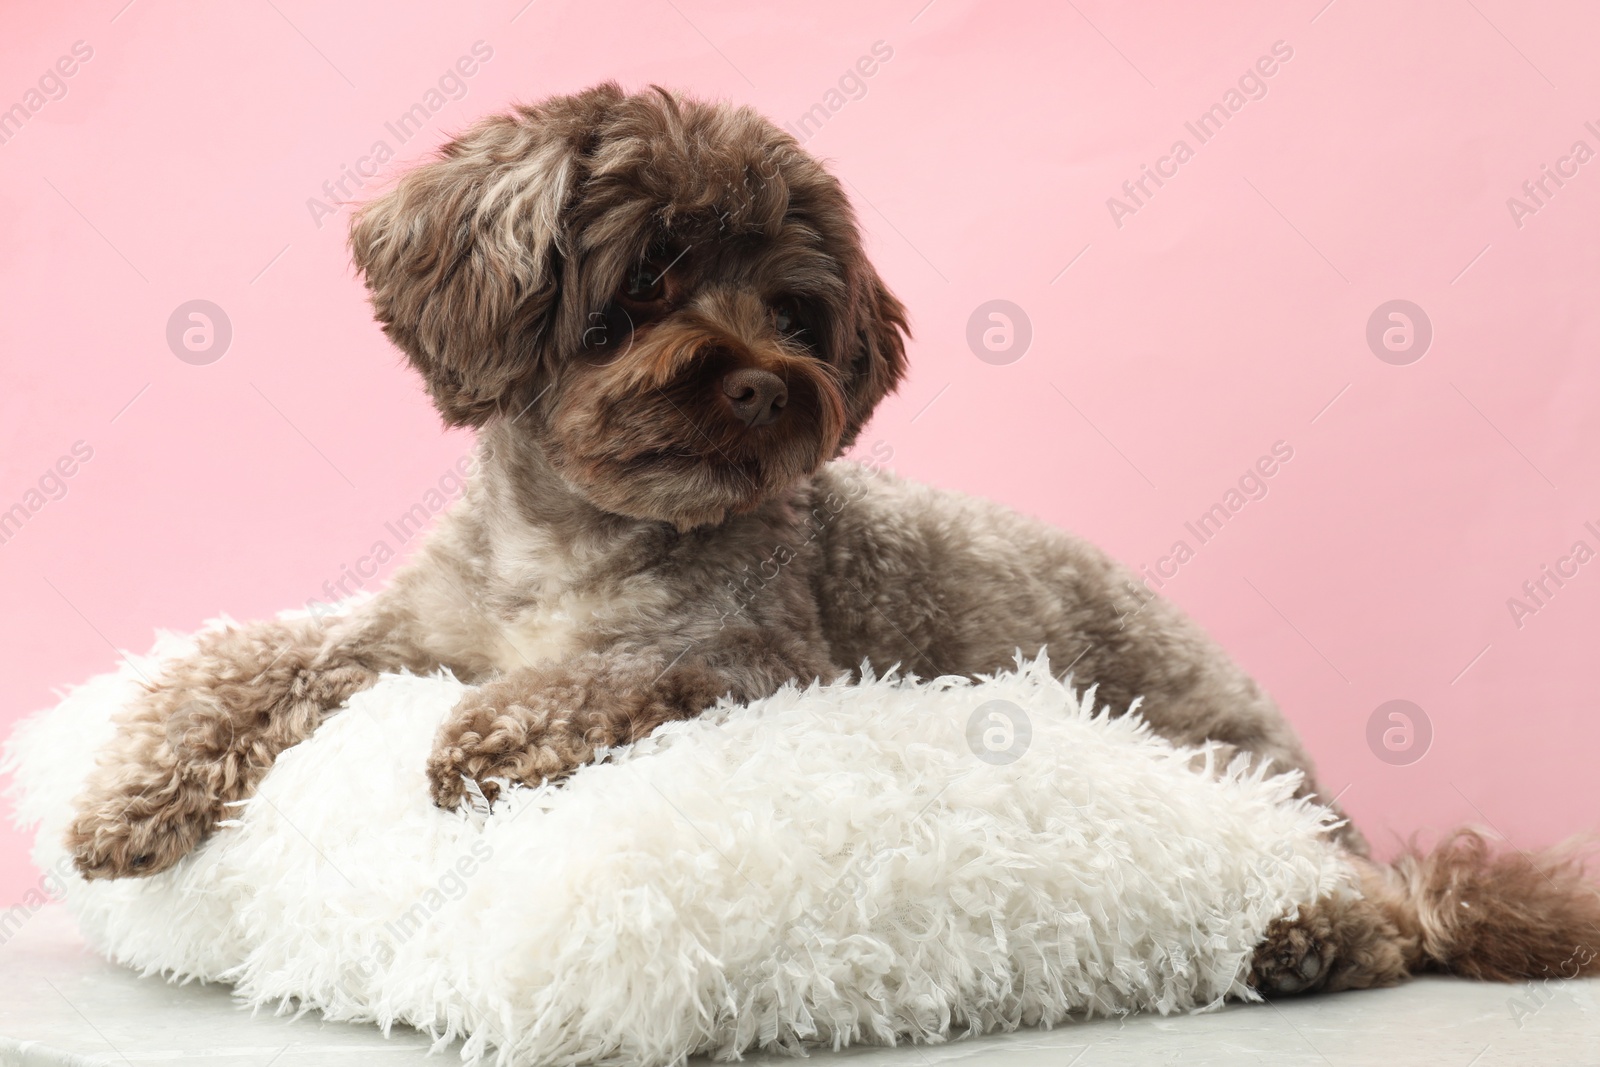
(879, 360)
(462, 256)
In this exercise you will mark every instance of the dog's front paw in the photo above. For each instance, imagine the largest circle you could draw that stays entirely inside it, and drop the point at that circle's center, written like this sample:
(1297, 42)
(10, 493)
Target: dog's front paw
(501, 732)
(140, 830)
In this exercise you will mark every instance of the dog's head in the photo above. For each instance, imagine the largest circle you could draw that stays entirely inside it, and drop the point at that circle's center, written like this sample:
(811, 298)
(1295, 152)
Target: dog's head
(668, 297)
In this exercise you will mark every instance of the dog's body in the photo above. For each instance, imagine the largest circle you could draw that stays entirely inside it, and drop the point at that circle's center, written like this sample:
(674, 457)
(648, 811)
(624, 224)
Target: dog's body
(851, 566)
(658, 315)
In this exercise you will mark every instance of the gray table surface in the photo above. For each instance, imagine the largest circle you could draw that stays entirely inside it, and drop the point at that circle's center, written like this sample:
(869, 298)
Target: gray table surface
(60, 1004)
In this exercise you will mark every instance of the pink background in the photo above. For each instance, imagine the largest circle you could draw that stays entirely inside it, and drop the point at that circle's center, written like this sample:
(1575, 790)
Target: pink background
(1227, 313)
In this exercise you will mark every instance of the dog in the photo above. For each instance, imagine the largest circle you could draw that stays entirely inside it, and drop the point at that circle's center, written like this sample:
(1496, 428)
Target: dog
(658, 316)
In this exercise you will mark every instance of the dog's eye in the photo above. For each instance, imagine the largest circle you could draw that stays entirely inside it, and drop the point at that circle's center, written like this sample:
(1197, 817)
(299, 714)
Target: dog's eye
(643, 283)
(795, 324)
(787, 320)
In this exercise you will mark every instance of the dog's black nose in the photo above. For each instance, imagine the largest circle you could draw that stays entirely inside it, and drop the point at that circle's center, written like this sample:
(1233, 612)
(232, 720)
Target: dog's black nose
(756, 396)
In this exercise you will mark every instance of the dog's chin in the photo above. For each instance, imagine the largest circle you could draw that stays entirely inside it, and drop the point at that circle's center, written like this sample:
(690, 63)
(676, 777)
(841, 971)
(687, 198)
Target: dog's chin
(689, 492)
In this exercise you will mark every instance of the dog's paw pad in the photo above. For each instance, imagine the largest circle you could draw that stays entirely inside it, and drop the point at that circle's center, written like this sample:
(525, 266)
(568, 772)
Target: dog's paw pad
(1290, 960)
(1290, 978)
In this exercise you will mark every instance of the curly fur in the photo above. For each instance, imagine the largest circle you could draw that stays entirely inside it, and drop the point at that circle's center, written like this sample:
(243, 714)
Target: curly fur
(1497, 913)
(588, 281)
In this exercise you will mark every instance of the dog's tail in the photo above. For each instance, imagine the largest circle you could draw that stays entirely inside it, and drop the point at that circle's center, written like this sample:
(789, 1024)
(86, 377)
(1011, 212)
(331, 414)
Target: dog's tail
(1468, 908)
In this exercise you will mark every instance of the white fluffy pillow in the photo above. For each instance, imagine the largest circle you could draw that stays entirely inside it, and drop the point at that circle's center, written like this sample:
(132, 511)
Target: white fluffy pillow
(848, 863)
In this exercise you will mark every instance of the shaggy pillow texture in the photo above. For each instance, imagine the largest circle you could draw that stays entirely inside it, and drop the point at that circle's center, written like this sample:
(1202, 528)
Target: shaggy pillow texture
(878, 862)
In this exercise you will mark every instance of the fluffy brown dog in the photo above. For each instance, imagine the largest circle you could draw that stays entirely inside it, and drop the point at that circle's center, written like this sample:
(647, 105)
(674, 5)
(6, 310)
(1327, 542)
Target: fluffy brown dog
(658, 315)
